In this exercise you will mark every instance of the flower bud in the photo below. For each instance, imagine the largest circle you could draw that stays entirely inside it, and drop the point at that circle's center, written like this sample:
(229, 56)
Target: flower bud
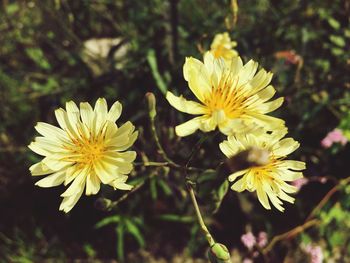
(151, 101)
(103, 204)
(218, 253)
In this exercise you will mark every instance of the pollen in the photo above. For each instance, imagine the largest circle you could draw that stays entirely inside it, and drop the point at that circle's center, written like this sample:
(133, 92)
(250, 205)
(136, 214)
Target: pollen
(227, 97)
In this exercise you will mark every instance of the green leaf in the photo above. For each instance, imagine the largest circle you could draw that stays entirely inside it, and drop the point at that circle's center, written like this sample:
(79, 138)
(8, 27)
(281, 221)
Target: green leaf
(338, 40)
(153, 187)
(107, 221)
(337, 51)
(120, 241)
(152, 61)
(89, 250)
(165, 187)
(176, 218)
(37, 55)
(222, 191)
(207, 175)
(134, 230)
(12, 8)
(333, 23)
(337, 238)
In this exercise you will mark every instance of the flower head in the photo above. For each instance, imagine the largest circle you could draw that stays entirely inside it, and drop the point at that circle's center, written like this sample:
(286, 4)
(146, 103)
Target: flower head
(315, 252)
(249, 240)
(232, 97)
(262, 239)
(222, 46)
(335, 136)
(88, 148)
(268, 180)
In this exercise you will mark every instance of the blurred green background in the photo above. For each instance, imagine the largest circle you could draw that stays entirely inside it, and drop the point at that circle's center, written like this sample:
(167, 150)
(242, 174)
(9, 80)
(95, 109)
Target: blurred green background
(55, 51)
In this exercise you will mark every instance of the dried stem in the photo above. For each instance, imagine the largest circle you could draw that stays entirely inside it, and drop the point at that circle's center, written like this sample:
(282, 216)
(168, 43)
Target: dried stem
(289, 234)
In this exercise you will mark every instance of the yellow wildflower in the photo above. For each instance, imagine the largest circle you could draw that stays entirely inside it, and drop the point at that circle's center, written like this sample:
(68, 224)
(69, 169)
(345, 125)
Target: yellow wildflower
(269, 179)
(87, 149)
(231, 96)
(222, 46)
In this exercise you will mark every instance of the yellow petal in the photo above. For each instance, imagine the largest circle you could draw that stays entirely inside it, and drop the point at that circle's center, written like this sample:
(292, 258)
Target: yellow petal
(240, 185)
(269, 106)
(87, 114)
(226, 148)
(287, 175)
(183, 105)
(260, 80)
(291, 164)
(266, 94)
(115, 112)
(37, 149)
(92, 184)
(262, 196)
(188, 127)
(65, 123)
(119, 183)
(105, 171)
(70, 201)
(285, 147)
(77, 185)
(50, 131)
(39, 169)
(235, 175)
(247, 72)
(235, 66)
(198, 78)
(52, 179)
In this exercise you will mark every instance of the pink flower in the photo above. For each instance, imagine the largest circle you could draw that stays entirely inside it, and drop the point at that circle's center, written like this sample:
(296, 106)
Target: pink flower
(299, 183)
(248, 240)
(315, 253)
(247, 260)
(335, 136)
(326, 142)
(262, 239)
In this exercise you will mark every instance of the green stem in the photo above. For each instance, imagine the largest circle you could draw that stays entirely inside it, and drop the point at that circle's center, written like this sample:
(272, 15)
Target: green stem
(199, 216)
(171, 165)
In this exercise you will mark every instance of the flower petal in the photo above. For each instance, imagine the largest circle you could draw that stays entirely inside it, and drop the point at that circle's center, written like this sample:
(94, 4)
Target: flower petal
(188, 127)
(198, 78)
(52, 179)
(183, 105)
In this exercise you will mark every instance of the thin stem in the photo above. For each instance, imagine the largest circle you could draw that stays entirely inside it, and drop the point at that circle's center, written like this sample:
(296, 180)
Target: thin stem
(125, 196)
(325, 199)
(199, 216)
(290, 234)
(171, 165)
(159, 146)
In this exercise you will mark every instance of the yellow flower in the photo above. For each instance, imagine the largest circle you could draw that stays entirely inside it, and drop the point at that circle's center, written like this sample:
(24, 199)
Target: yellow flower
(268, 180)
(222, 46)
(231, 96)
(87, 149)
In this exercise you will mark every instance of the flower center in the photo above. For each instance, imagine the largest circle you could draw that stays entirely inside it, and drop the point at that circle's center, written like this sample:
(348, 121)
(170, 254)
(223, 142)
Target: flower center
(90, 152)
(227, 97)
(86, 151)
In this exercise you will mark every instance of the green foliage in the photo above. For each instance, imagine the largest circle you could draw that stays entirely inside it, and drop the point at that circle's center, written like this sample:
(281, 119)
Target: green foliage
(124, 225)
(43, 64)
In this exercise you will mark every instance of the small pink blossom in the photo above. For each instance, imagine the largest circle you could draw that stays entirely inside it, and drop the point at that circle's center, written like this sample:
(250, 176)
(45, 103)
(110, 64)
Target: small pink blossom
(315, 253)
(335, 136)
(323, 180)
(262, 239)
(248, 240)
(247, 260)
(299, 183)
